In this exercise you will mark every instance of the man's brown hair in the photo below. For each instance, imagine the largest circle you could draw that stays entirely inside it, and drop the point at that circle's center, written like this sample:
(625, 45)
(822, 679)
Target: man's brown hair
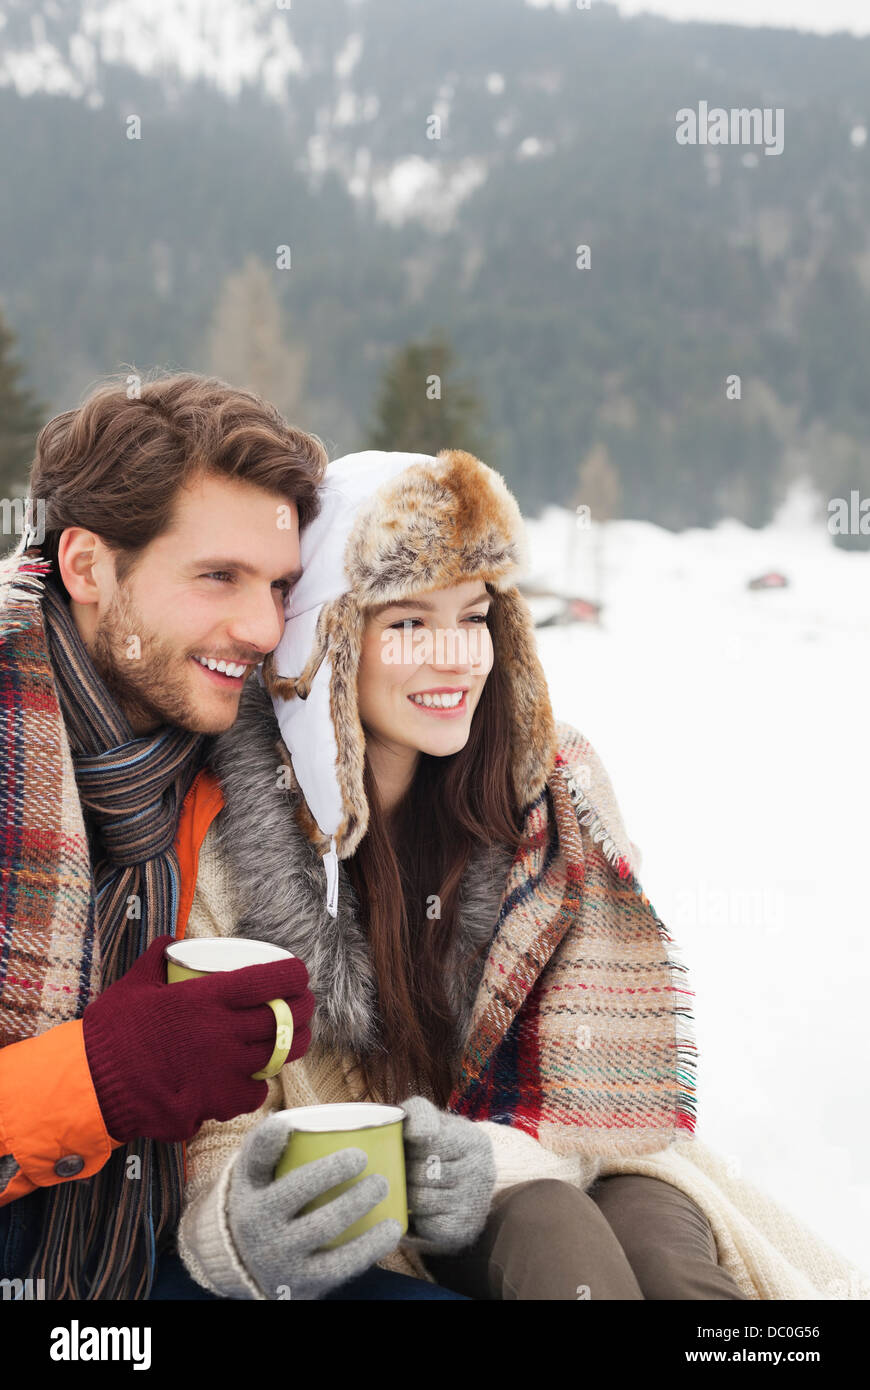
(116, 463)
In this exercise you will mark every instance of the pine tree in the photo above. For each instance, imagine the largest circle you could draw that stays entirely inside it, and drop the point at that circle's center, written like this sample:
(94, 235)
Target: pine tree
(246, 343)
(21, 418)
(418, 410)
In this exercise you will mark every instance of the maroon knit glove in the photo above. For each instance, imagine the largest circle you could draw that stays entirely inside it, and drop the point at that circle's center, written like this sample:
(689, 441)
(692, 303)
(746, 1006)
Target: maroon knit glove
(164, 1058)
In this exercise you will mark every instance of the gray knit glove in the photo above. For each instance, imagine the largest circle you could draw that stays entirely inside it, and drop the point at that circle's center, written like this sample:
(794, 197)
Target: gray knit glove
(279, 1248)
(450, 1169)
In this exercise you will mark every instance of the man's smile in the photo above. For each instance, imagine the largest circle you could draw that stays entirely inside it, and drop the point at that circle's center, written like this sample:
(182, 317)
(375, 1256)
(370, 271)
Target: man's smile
(232, 676)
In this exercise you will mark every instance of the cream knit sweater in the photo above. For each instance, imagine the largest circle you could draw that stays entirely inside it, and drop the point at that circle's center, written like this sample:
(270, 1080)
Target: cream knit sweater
(763, 1247)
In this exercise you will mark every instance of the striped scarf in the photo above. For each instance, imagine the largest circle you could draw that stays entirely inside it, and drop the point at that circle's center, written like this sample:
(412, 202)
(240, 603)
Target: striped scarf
(101, 1236)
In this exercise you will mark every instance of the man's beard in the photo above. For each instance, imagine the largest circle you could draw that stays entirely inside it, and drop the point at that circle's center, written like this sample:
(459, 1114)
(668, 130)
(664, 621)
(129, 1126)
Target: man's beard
(150, 689)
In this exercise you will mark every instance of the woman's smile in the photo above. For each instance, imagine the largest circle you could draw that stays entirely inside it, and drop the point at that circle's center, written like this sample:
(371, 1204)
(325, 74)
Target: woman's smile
(445, 702)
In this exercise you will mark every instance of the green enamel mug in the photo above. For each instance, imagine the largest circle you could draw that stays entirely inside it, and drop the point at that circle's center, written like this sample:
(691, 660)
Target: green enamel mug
(319, 1130)
(204, 955)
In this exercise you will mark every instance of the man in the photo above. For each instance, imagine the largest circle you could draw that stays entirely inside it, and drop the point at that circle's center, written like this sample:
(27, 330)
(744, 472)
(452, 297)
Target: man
(172, 524)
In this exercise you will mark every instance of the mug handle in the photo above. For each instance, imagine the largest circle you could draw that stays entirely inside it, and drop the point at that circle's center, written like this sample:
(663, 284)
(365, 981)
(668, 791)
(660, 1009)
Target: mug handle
(283, 1041)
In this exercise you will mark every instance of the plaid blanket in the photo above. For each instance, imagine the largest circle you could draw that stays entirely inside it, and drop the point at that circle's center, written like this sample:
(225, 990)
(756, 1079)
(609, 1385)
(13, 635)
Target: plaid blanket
(581, 1033)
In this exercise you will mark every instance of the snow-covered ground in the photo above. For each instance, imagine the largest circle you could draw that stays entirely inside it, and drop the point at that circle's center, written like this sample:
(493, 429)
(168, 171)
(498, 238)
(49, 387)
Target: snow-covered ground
(734, 727)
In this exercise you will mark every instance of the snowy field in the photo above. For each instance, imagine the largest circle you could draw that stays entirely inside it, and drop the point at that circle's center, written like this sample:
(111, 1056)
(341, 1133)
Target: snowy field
(734, 728)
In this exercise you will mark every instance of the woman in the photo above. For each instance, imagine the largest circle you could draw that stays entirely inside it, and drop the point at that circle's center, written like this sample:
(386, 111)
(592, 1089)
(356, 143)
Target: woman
(460, 885)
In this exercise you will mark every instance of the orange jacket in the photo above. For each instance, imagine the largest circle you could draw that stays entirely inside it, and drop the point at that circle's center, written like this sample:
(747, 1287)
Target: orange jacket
(50, 1118)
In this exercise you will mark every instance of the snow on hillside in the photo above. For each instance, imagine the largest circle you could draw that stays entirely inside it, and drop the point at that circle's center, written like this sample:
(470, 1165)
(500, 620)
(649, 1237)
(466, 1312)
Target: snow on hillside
(733, 726)
(248, 42)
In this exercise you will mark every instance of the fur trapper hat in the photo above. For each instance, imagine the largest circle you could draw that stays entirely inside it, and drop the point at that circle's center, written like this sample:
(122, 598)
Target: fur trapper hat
(393, 526)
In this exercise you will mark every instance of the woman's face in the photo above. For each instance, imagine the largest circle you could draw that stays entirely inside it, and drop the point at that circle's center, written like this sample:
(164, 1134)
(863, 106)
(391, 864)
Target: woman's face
(423, 665)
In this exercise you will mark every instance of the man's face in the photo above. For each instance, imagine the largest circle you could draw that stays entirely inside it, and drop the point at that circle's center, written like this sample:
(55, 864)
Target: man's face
(213, 587)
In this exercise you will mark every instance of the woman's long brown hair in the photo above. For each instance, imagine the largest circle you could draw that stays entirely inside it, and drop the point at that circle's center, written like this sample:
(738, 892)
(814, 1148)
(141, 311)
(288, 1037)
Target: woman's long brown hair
(421, 850)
